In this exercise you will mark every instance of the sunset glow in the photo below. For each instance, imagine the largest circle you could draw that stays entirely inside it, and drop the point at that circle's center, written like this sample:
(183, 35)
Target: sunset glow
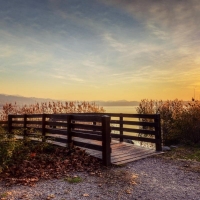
(100, 49)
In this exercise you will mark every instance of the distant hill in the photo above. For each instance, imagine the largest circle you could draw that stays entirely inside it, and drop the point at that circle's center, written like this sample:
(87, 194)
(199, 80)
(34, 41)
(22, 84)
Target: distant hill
(20, 100)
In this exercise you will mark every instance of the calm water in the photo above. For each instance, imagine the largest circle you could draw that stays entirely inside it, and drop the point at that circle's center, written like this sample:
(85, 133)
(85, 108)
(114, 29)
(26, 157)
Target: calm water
(130, 110)
(120, 109)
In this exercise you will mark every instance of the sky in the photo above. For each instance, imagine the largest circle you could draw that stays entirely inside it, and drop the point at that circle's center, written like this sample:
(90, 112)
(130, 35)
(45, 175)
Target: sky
(100, 49)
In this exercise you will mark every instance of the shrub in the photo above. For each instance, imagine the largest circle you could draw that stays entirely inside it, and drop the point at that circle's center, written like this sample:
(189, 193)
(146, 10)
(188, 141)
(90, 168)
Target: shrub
(180, 121)
(12, 149)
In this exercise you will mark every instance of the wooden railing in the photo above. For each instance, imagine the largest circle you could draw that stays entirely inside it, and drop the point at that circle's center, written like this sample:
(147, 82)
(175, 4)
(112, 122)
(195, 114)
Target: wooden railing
(146, 128)
(66, 129)
(84, 129)
(138, 127)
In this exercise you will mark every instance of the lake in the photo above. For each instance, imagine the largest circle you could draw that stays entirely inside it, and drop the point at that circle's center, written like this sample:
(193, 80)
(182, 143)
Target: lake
(121, 109)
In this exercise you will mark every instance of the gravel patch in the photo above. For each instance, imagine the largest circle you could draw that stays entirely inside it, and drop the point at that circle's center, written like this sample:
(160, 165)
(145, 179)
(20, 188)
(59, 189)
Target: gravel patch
(158, 178)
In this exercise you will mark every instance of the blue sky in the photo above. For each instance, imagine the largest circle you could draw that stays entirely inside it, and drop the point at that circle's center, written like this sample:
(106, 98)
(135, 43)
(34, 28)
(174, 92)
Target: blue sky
(100, 49)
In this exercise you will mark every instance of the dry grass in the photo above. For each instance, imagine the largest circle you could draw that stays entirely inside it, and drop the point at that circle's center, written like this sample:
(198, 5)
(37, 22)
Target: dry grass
(50, 108)
(180, 121)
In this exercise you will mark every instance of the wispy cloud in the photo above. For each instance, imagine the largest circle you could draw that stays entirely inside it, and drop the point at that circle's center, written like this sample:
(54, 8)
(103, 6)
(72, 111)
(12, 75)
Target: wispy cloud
(105, 44)
(58, 77)
(117, 46)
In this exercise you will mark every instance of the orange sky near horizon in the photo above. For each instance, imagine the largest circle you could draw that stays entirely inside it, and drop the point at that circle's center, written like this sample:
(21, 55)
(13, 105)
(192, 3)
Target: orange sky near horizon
(100, 50)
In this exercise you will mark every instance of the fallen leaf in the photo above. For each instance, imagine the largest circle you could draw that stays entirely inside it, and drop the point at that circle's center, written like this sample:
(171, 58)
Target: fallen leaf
(32, 155)
(50, 196)
(128, 191)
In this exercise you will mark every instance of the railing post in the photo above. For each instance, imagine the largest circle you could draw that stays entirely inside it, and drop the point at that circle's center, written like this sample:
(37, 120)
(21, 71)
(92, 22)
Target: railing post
(24, 125)
(106, 140)
(158, 133)
(121, 127)
(69, 134)
(43, 128)
(9, 124)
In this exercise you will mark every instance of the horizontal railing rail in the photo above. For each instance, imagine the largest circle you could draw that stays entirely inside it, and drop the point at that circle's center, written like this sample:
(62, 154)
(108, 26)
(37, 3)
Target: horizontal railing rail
(82, 128)
(67, 129)
(146, 126)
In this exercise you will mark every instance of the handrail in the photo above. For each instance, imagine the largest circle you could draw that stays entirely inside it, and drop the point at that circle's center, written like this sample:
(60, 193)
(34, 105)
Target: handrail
(92, 126)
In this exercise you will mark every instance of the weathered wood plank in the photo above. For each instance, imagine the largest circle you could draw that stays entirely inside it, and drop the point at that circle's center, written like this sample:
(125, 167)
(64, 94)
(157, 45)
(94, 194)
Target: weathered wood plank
(96, 142)
(106, 140)
(158, 134)
(4, 122)
(139, 123)
(56, 131)
(87, 127)
(86, 136)
(133, 130)
(34, 122)
(126, 158)
(86, 145)
(124, 152)
(17, 127)
(130, 153)
(17, 122)
(34, 116)
(17, 116)
(50, 123)
(87, 118)
(57, 117)
(134, 138)
(120, 162)
(89, 132)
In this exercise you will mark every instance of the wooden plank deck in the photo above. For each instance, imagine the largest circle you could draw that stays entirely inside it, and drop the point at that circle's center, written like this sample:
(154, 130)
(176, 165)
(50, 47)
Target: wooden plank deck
(122, 153)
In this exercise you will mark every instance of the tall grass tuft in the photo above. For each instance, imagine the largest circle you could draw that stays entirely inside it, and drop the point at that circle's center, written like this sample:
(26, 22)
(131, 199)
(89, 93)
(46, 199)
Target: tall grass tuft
(50, 108)
(180, 121)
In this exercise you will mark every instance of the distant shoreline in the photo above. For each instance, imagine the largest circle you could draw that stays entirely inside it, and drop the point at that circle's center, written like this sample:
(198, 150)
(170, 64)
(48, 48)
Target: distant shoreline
(20, 100)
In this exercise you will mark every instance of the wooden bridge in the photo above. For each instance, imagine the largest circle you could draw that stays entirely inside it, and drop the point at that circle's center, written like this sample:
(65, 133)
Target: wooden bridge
(93, 132)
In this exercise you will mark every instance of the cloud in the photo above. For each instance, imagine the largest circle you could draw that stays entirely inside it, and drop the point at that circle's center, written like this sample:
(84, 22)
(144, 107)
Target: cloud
(58, 77)
(119, 42)
(117, 46)
(172, 30)
(6, 51)
(177, 20)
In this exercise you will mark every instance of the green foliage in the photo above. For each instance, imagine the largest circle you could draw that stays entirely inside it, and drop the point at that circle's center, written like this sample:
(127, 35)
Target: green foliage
(13, 151)
(187, 152)
(180, 121)
(3, 195)
(7, 146)
(75, 179)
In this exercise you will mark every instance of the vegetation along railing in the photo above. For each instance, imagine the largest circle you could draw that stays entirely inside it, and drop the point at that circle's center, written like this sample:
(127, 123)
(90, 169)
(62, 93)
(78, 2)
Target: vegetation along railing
(83, 129)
